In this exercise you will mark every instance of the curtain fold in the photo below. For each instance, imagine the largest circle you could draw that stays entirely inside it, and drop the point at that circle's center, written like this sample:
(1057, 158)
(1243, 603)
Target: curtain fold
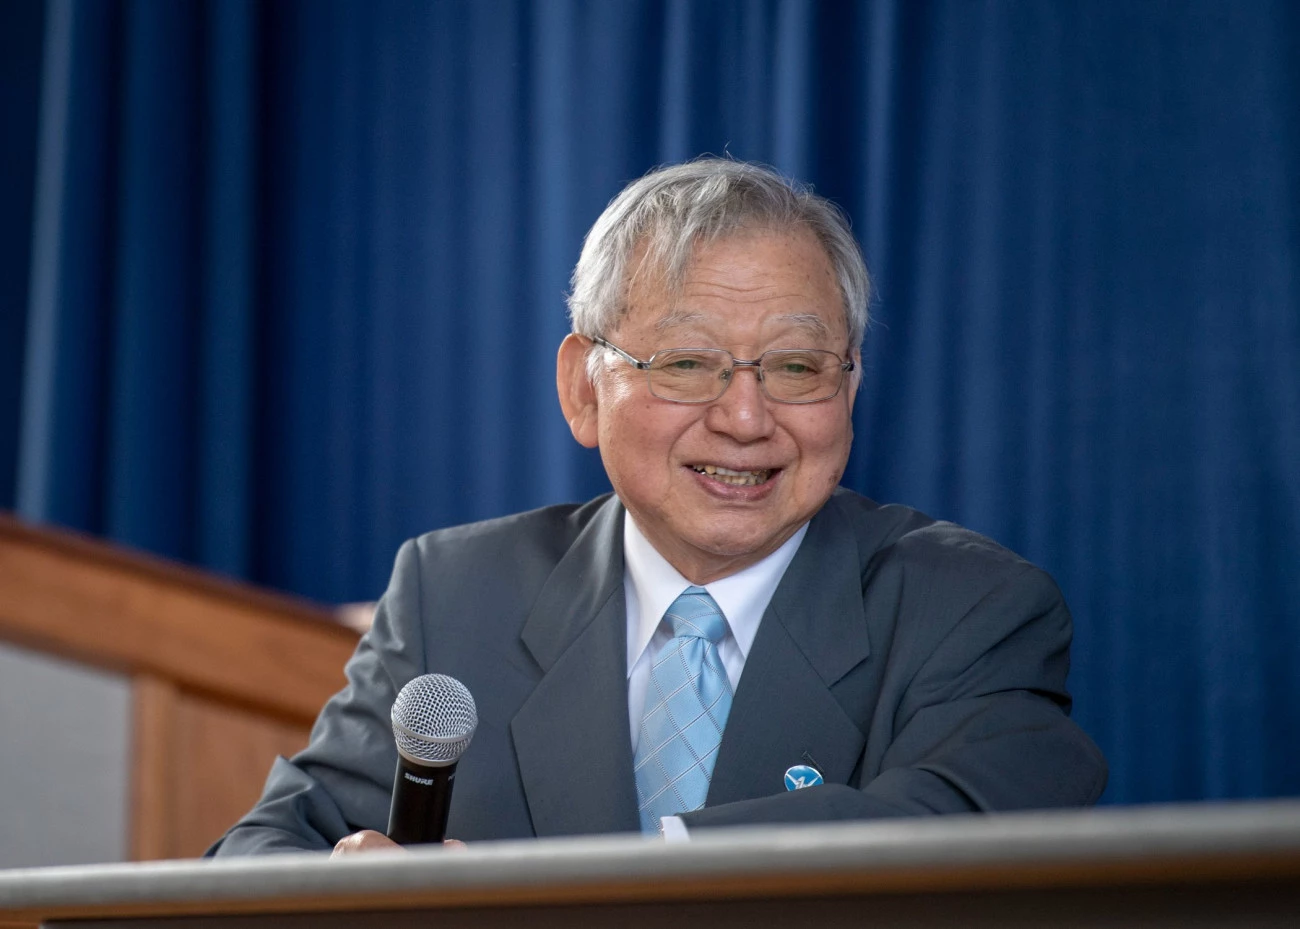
(298, 274)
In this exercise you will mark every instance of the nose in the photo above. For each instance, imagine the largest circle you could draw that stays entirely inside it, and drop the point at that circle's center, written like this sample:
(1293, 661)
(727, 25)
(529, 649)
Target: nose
(744, 411)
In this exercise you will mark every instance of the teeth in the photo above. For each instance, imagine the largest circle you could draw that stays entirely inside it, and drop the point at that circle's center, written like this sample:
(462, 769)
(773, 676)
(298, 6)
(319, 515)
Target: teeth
(734, 478)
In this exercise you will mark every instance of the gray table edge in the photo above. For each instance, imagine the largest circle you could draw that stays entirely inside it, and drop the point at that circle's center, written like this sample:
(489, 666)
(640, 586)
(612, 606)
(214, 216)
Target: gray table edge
(1111, 836)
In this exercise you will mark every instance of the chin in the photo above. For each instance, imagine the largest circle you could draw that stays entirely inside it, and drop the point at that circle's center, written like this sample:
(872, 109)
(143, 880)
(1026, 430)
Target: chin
(738, 541)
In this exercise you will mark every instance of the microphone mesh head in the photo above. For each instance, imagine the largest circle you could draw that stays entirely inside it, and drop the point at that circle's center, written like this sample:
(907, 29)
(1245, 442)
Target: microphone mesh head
(434, 718)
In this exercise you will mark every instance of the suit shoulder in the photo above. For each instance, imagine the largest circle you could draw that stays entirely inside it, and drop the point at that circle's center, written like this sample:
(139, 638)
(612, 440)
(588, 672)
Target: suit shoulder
(896, 538)
(547, 531)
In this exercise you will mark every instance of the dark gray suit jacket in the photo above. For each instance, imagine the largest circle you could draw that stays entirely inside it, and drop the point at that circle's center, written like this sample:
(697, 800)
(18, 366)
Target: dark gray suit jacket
(921, 666)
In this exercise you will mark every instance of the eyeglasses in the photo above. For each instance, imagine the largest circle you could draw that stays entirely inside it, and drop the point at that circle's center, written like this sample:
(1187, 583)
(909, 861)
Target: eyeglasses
(701, 375)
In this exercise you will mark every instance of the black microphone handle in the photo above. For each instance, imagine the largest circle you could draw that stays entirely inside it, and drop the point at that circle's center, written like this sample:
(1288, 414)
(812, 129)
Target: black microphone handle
(421, 802)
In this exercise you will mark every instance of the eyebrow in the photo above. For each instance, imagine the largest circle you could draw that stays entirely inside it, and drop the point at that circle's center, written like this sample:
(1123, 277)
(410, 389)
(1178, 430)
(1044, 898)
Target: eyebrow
(677, 318)
(810, 322)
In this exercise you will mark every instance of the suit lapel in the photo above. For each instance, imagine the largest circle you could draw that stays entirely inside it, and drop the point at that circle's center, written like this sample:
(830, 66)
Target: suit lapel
(571, 735)
(813, 633)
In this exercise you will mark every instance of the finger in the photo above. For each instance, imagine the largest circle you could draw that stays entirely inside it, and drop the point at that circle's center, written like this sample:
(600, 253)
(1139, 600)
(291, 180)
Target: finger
(365, 841)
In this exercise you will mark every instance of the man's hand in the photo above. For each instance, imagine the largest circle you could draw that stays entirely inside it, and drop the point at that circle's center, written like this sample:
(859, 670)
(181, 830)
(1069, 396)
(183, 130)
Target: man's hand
(368, 840)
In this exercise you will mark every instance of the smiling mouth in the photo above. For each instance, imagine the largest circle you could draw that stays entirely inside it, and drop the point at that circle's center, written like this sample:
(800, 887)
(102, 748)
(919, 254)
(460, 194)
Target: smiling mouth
(734, 478)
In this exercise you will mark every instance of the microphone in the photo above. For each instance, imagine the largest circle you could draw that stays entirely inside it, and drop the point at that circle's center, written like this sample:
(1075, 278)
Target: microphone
(434, 718)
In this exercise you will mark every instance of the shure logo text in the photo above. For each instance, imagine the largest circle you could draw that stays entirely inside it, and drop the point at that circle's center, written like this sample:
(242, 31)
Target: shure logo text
(426, 781)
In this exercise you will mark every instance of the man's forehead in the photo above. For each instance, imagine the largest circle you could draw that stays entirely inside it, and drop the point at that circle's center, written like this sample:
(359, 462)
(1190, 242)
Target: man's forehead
(664, 296)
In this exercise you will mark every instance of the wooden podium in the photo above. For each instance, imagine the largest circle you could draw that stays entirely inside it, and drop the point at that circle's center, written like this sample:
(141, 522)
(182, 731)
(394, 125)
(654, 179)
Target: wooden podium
(223, 677)
(1192, 866)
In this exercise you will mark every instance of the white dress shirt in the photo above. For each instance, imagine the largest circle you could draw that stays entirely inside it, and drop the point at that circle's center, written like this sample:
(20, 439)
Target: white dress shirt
(651, 584)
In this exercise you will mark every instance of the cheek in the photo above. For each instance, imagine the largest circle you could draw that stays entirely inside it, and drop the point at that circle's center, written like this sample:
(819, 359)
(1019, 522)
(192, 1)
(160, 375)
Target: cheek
(825, 451)
(620, 391)
(620, 410)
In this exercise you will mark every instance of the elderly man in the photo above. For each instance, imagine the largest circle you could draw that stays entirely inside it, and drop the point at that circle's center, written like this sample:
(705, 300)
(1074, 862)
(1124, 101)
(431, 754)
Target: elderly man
(662, 656)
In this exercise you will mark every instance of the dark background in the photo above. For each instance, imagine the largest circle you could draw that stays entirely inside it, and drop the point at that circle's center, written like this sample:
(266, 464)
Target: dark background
(281, 285)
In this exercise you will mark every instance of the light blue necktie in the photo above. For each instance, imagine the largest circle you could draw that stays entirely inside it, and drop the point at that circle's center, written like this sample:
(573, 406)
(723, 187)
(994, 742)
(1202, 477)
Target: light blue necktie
(687, 704)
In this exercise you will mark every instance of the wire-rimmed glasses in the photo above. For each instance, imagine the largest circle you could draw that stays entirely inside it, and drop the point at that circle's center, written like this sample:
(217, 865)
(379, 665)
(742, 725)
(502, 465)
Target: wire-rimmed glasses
(701, 375)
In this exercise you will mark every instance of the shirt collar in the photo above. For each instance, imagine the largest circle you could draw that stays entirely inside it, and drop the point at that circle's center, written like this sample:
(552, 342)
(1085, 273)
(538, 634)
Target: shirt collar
(743, 597)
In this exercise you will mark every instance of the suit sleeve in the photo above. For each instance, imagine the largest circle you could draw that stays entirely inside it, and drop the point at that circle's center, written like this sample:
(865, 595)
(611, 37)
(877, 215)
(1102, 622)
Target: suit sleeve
(342, 781)
(981, 725)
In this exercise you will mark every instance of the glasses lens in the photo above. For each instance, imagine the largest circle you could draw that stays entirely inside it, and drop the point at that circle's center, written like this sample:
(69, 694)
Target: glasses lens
(689, 375)
(803, 376)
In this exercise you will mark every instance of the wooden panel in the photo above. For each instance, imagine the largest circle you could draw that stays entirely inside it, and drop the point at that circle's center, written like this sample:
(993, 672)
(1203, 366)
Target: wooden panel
(199, 765)
(224, 676)
(153, 783)
(222, 759)
(90, 601)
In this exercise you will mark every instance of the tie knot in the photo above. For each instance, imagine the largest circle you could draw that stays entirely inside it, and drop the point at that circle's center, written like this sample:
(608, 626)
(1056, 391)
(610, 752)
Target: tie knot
(695, 614)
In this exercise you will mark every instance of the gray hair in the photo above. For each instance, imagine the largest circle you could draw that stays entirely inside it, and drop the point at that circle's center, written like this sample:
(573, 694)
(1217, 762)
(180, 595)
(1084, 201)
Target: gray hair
(673, 210)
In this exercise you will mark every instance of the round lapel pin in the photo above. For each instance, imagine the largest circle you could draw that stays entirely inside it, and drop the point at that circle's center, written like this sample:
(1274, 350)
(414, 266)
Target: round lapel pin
(802, 775)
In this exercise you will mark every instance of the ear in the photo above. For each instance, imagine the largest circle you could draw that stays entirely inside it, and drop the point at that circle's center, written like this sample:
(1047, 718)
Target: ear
(577, 392)
(855, 377)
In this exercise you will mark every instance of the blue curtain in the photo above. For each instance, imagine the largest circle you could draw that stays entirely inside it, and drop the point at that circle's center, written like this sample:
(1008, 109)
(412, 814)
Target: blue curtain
(20, 63)
(297, 275)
